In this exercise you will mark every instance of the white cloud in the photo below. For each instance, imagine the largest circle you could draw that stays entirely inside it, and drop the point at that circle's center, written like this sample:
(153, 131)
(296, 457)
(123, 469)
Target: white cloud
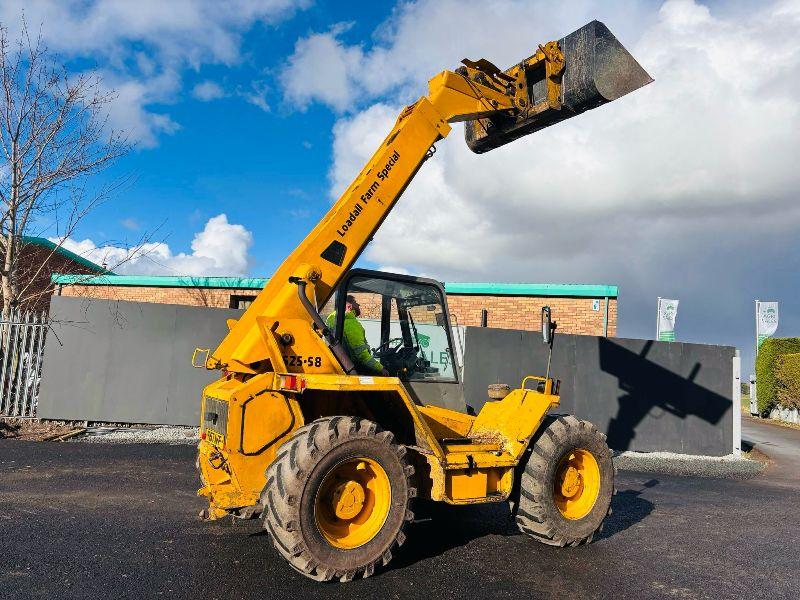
(434, 226)
(257, 95)
(323, 69)
(138, 44)
(221, 248)
(700, 141)
(196, 31)
(686, 188)
(131, 224)
(424, 37)
(129, 111)
(299, 213)
(207, 91)
(391, 269)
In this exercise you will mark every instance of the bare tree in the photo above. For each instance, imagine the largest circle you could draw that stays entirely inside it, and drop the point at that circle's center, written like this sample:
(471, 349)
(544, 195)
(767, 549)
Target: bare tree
(54, 136)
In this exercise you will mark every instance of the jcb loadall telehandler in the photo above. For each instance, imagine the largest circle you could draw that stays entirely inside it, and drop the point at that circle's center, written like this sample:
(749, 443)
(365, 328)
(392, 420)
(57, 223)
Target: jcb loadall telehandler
(331, 458)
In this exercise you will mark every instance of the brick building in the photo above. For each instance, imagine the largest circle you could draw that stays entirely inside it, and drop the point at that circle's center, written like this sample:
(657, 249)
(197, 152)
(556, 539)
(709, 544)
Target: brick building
(578, 308)
(38, 260)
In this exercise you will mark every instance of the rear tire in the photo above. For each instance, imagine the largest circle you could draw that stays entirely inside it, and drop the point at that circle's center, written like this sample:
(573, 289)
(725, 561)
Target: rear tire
(567, 483)
(337, 498)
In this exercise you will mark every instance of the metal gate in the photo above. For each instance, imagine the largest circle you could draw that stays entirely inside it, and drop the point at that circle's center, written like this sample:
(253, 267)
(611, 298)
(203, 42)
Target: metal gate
(21, 347)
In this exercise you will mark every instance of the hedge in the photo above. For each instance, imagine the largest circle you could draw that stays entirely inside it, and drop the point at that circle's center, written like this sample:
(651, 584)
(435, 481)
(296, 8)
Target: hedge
(769, 352)
(787, 380)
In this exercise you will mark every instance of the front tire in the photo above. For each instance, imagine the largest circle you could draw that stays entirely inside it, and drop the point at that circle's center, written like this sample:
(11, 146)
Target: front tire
(567, 484)
(337, 498)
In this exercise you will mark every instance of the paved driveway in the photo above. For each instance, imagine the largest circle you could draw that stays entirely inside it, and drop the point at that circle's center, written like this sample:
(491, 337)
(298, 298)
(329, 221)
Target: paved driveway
(82, 520)
(781, 444)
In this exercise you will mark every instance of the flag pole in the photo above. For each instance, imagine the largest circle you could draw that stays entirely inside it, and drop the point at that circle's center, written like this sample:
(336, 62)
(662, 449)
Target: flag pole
(755, 358)
(756, 354)
(658, 319)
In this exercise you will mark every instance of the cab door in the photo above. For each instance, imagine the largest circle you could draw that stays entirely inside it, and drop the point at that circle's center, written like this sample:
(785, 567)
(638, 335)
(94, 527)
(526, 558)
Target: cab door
(407, 327)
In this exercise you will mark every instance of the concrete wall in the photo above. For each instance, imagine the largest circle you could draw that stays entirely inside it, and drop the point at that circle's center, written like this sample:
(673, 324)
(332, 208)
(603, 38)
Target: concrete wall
(127, 362)
(645, 395)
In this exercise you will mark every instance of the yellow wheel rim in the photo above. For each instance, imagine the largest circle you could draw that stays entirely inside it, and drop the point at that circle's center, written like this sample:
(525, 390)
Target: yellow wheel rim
(352, 503)
(577, 484)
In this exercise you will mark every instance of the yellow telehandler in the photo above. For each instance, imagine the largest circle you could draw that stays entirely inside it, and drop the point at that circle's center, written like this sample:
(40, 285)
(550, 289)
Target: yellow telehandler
(331, 452)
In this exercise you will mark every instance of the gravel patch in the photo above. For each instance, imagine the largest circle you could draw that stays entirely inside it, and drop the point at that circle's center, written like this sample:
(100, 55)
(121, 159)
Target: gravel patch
(670, 463)
(140, 435)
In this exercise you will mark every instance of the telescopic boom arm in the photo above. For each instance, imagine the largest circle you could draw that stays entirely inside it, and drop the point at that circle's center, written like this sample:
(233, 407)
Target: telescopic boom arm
(499, 107)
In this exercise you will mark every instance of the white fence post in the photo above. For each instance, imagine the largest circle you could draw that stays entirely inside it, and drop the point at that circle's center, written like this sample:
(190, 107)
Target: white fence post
(22, 340)
(737, 404)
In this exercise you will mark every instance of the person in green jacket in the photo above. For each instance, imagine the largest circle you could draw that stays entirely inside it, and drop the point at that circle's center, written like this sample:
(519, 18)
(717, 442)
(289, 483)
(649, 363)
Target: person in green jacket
(355, 340)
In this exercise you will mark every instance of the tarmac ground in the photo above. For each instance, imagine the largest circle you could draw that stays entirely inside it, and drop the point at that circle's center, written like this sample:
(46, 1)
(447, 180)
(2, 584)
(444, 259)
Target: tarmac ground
(82, 520)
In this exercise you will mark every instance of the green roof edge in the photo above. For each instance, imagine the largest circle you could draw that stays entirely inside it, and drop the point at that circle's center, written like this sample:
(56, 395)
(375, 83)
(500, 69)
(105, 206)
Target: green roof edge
(45, 243)
(256, 283)
(250, 283)
(533, 289)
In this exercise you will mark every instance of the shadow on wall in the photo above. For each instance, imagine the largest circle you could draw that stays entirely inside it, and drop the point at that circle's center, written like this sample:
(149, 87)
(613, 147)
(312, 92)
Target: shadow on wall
(647, 385)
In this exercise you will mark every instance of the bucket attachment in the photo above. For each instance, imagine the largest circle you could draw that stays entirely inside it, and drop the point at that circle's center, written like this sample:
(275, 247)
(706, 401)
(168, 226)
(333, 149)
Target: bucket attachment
(581, 71)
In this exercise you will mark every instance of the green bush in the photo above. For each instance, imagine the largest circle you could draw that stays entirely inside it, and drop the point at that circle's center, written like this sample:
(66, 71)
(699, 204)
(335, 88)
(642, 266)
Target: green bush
(787, 380)
(768, 353)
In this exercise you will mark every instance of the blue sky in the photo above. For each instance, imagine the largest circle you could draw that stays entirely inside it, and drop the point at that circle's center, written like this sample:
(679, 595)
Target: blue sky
(263, 111)
(266, 169)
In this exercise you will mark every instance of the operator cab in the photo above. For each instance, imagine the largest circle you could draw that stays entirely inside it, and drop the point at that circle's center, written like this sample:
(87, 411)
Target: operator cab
(406, 323)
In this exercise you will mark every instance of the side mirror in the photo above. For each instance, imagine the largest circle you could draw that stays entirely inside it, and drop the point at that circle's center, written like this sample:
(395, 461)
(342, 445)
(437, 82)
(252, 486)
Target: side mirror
(547, 325)
(548, 330)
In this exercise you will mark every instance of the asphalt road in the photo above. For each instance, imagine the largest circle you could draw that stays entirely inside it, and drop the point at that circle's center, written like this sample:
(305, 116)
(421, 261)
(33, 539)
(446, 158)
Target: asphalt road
(111, 521)
(781, 444)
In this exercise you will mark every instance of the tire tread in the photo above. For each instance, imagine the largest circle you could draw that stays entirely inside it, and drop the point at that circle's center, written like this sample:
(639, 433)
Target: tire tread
(533, 516)
(286, 477)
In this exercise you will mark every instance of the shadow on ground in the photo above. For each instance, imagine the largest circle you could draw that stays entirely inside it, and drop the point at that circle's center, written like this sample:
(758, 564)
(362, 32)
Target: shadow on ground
(8, 429)
(627, 509)
(441, 528)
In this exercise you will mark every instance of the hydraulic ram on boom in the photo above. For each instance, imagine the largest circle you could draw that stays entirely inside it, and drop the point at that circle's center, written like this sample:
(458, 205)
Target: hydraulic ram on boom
(294, 431)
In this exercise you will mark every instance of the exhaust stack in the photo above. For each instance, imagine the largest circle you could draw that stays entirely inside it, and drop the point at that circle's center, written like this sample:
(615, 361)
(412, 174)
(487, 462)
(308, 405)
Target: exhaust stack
(584, 70)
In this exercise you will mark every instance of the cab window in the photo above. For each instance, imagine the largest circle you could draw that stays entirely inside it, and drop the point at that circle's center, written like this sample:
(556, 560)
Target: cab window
(406, 327)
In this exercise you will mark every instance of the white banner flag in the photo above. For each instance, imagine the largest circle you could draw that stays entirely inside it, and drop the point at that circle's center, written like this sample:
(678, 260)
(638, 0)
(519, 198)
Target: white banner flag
(667, 312)
(766, 320)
